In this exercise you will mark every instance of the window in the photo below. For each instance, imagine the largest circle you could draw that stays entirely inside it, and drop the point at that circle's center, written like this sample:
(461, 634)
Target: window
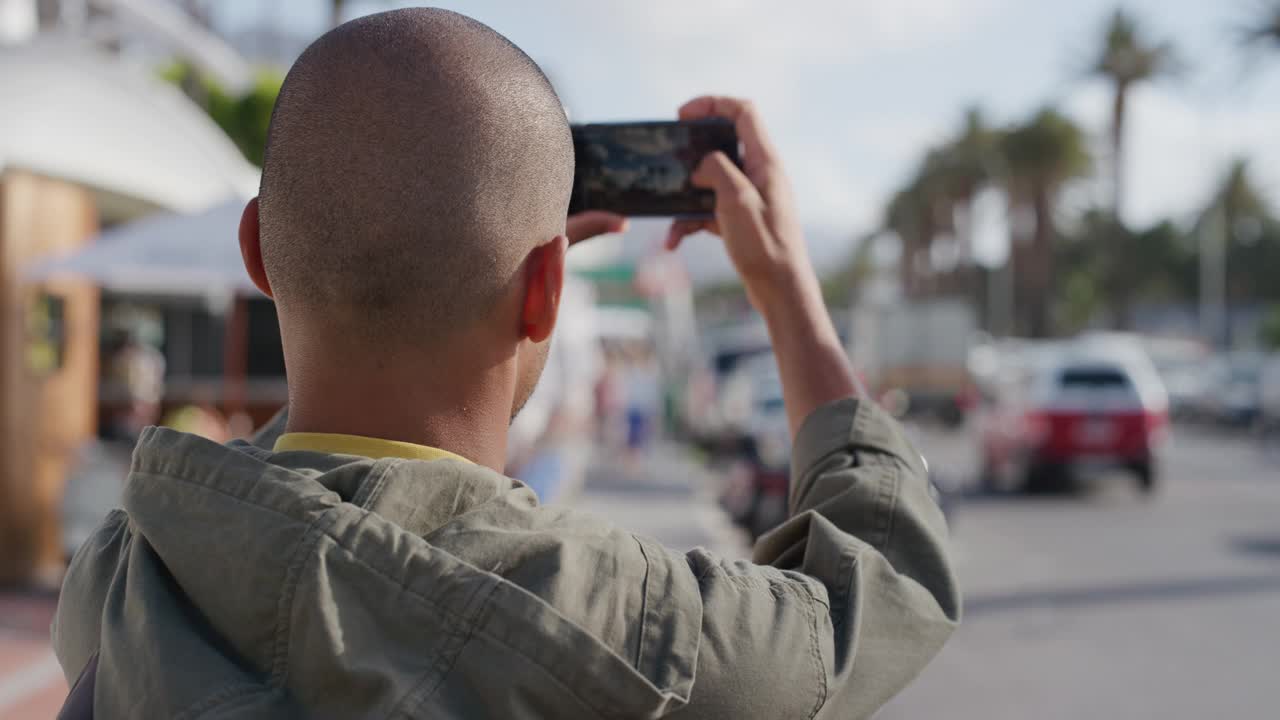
(46, 334)
(1093, 378)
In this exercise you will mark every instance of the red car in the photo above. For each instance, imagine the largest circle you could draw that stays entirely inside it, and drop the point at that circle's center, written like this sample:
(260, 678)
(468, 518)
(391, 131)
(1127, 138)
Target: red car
(1078, 410)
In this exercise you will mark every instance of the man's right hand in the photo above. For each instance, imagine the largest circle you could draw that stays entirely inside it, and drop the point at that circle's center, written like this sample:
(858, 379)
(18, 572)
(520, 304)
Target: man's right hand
(755, 213)
(756, 217)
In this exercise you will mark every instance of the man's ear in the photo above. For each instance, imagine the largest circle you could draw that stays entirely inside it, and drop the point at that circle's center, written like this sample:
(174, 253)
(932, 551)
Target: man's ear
(544, 281)
(251, 247)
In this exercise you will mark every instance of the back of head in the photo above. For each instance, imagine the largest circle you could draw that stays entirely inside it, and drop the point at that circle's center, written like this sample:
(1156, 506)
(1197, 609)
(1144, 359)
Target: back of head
(414, 159)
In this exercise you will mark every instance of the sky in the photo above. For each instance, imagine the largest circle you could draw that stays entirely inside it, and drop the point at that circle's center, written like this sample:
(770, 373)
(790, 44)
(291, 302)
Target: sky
(855, 91)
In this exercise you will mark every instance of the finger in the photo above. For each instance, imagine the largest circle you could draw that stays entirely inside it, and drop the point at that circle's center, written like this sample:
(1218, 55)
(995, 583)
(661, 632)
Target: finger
(584, 225)
(755, 140)
(717, 171)
(680, 229)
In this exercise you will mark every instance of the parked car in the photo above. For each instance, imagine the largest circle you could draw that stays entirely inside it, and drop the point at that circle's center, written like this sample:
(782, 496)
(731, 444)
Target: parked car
(717, 420)
(1183, 366)
(756, 494)
(1091, 406)
(1232, 394)
(1269, 403)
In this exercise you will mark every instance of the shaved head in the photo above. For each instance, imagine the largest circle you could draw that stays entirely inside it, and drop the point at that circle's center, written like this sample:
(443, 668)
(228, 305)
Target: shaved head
(415, 157)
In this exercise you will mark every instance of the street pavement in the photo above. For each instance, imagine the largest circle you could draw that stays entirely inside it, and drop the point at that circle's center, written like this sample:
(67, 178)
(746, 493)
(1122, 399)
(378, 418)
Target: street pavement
(1105, 604)
(31, 684)
(666, 495)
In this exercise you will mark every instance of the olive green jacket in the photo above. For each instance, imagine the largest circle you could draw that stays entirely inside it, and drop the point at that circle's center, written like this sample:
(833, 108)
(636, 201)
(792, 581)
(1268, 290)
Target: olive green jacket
(241, 583)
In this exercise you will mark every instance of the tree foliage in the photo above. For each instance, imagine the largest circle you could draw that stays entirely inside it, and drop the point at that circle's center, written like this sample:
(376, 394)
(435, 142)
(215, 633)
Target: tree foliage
(1263, 30)
(1047, 150)
(1126, 58)
(1251, 233)
(1040, 155)
(1108, 268)
(1096, 270)
(244, 118)
(1270, 330)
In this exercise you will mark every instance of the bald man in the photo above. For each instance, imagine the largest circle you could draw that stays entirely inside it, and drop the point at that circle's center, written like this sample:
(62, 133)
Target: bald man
(372, 561)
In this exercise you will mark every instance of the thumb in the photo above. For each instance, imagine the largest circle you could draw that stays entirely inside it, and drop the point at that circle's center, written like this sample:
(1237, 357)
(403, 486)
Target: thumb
(717, 172)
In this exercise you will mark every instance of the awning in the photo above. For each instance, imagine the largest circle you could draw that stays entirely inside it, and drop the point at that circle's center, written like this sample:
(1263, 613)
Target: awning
(167, 254)
(76, 113)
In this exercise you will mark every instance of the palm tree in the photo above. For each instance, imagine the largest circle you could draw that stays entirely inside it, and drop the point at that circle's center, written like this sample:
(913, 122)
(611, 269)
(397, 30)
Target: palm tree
(1041, 156)
(927, 208)
(1241, 203)
(967, 163)
(1243, 217)
(1265, 28)
(1127, 59)
(972, 156)
(910, 216)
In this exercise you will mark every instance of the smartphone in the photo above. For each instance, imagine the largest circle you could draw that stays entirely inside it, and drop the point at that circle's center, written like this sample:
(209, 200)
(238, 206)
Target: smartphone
(643, 168)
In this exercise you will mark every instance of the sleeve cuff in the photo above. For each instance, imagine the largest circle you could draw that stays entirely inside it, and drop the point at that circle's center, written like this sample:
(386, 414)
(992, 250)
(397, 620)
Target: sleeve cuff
(845, 425)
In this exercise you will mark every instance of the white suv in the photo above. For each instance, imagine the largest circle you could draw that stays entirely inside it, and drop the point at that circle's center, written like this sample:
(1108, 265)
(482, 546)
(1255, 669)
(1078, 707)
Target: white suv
(1093, 404)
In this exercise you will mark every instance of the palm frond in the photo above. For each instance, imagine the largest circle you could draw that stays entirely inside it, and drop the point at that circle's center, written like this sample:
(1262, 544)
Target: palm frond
(1127, 57)
(1264, 28)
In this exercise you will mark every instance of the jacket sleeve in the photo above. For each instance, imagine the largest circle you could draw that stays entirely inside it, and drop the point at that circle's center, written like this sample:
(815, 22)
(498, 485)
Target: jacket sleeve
(860, 593)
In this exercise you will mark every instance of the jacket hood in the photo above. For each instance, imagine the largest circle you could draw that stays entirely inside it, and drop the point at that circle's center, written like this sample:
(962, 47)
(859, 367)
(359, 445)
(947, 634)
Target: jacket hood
(248, 583)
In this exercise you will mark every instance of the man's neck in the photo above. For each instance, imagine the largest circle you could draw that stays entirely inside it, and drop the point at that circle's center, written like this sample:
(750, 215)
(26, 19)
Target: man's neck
(466, 415)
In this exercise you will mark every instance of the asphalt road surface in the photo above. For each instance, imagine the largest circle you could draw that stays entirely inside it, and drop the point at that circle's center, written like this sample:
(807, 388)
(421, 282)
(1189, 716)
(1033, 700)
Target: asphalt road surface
(1105, 604)
(665, 495)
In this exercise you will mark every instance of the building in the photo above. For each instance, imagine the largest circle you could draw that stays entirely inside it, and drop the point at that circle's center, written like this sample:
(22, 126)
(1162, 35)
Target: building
(89, 138)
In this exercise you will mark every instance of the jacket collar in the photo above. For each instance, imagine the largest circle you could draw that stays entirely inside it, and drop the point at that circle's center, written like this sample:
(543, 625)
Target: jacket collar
(419, 496)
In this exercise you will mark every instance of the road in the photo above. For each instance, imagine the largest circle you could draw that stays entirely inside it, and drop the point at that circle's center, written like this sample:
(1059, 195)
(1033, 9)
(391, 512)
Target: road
(667, 496)
(1095, 604)
(1108, 605)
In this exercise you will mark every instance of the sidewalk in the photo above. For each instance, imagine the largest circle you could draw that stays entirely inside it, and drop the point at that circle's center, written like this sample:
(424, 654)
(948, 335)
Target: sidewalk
(31, 684)
(667, 496)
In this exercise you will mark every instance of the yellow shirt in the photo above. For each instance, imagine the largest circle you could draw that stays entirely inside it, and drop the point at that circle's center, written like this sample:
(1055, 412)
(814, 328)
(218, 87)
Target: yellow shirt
(373, 448)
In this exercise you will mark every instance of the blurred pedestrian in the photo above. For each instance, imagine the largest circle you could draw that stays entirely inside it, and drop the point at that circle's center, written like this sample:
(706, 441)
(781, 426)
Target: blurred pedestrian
(643, 388)
(137, 369)
(610, 397)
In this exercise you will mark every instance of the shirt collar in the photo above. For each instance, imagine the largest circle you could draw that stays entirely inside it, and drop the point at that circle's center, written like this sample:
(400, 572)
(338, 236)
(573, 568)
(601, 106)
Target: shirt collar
(373, 448)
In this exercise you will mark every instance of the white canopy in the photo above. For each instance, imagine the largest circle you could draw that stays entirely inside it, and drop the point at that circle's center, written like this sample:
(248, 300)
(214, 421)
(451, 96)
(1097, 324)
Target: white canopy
(167, 23)
(73, 112)
(167, 254)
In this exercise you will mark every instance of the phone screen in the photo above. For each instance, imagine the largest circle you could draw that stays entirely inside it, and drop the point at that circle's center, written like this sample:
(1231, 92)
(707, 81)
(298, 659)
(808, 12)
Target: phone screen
(643, 168)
